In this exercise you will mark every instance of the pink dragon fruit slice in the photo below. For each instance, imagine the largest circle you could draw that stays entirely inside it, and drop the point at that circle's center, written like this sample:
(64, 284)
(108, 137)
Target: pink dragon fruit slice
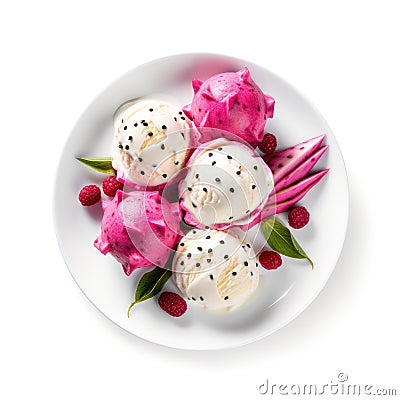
(300, 187)
(301, 171)
(231, 101)
(139, 229)
(283, 162)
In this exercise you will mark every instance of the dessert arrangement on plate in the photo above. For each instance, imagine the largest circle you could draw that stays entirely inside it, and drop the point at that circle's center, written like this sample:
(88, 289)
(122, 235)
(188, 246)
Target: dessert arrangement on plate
(185, 186)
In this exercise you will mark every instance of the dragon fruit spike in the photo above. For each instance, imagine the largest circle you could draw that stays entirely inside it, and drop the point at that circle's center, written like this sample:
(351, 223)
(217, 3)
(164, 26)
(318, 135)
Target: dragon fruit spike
(301, 171)
(300, 187)
(273, 209)
(196, 83)
(285, 161)
(233, 102)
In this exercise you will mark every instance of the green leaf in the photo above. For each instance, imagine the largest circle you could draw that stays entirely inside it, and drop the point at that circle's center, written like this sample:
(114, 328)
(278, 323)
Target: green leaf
(282, 241)
(103, 165)
(150, 285)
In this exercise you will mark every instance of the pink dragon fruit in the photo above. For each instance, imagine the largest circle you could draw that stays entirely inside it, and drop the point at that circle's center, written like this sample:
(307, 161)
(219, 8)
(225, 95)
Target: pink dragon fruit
(139, 229)
(231, 101)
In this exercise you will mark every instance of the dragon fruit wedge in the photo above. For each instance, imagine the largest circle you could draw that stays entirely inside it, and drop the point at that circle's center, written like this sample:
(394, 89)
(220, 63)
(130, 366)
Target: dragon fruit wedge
(283, 162)
(231, 101)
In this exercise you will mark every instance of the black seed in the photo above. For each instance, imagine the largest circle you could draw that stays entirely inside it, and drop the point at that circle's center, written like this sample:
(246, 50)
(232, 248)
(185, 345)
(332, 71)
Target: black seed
(255, 167)
(256, 264)
(182, 244)
(209, 260)
(193, 299)
(194, 205)
(251, 273)
(226, 297)
(207, 227)
(247, 211)
(194, 232)
(213, 163)
(150, 109)
(175, 119)
(280, 165)
(231, 217)
(182, 263)
(122, 121)
(190, 189)
(231, 190)
(126, 147)
(209, 250)
(211, 277)
(229, 157)
(183, 118)
(145, 124)
(176, 162)
(221, 241)
(130, 137)
(208, 237)
(150, 133)
(238, 172)
(164, 127)
(164, 175)
(210, 154)
(201, 298)
(226, 256)
(248, 245)
(253, 186)
(188, 255)
(163, 146)
(204, 189)
(197, 176)
(217, 180)
(220, 148)
(120, 146)
(125, 128)
(246, 264)
(154, 165)
(180, 113)
(140, 159)
(197, 264)
(135, 124)
(200, 249)
(142, 172)
(183, 135)
(234, 273)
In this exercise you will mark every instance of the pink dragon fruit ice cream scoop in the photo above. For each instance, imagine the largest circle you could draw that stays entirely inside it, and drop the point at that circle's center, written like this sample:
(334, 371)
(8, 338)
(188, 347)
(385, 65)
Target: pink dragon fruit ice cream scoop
(231, 101)
(139, 229)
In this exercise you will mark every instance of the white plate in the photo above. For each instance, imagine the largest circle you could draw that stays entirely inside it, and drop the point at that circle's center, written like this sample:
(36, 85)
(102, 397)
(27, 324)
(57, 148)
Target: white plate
(282, 294)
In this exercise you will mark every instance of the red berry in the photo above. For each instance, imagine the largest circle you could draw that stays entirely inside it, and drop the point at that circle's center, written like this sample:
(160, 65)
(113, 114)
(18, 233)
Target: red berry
(268, 144)
(111, 185)
(298, 217)
(172, 303)
(270, 259)
(89, 195)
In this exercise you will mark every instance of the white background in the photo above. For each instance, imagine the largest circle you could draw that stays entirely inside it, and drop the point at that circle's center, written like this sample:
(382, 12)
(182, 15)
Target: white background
(57, 56)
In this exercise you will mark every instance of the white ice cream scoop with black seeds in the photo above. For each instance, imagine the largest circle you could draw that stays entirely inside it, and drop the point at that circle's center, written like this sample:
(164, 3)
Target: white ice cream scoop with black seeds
(227, 183)
(215, 269)
(151, 142)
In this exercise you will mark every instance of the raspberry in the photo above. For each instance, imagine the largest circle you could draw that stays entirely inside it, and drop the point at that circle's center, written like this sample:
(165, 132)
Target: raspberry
(270, 259)
(268, 144)
(111, 185)
(89, 195)
(298, 217)
(172, 303)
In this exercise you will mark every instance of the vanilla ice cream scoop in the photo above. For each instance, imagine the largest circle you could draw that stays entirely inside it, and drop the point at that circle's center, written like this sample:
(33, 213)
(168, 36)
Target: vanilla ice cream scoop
(226, 183)
(151, 142)
(215, 269)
